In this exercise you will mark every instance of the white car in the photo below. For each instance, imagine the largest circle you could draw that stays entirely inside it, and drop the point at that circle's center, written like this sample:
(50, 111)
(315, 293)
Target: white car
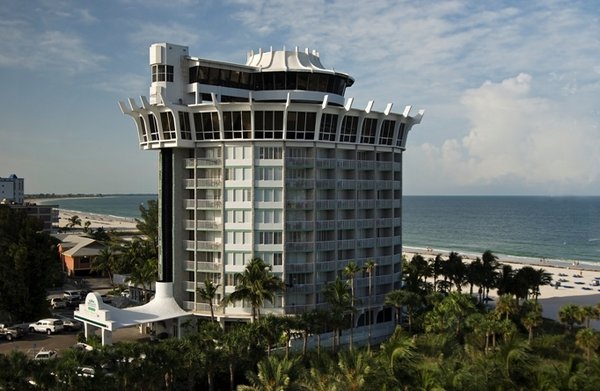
(58, 302)
(83, 346)
(45, 355)
(48, 326)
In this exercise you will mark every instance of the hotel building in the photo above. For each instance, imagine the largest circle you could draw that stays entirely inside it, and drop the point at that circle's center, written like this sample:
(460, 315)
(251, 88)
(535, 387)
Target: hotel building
(12, 189)
(270, 160)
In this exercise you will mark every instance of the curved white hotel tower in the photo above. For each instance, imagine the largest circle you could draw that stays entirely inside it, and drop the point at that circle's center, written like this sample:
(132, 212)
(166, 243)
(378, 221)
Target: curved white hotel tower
(269, 160)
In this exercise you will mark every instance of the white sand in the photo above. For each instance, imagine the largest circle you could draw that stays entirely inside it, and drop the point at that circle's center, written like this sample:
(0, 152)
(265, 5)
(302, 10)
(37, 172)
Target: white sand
(109, 223)
(575, 288)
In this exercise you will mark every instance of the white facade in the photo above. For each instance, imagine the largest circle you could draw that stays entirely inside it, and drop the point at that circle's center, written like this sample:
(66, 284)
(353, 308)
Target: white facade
(269, 160)
(12, 189)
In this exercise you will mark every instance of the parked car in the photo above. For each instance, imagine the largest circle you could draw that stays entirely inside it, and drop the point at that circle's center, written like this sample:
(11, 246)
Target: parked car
(71, 324)
(58, 302)
(72, 296)
(48, 326)
(10, 333)
(86, 372)
(45, 355)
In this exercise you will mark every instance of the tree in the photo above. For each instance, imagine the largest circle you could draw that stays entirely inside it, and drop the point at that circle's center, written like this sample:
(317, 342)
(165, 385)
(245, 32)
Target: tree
(354, 369)
(369, 267)
(506, 305)
(339, 297)
(256, 284)
(273, 374)
(588, 340)
(105, 263)
(144, 273)
(74, 221)
(400, 298)
(456, 270)
(350, 271)
(588, 313)
(29, 264)
(570, 314)
(531, 317)
(148, 225)
(208, 294)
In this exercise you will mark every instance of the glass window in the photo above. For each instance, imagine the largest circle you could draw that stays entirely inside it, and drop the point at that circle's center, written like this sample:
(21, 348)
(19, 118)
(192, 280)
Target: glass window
(268, 124)
(168, 125)
(301, 125)
(369, 129)
(143, 128)
(184, 125)
(328, 128)
(270, 153)
(400, 134)
(349, 129)
(386, 136)
(153, 127)
(207, 126)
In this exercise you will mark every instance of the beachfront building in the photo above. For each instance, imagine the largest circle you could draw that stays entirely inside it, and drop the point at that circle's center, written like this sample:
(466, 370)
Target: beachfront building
(12, 189)
(269, 159)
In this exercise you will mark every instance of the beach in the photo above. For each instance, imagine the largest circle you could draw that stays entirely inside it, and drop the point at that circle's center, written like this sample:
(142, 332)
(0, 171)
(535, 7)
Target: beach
(576, 280)
(108, 223)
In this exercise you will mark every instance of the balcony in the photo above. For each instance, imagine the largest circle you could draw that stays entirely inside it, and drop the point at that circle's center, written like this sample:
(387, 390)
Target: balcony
(384, 203)
(202, 162)
(365, 204)
(202, 225)
(299, 162)
(346, 164)
(326, 183)
(346, 244)
(203, 266)
(326, 204)
(381, 223)
(299, 225)
(346, 224)
(385, 184)
(365, 223)
(365, 243)
(365, 184)
(346, 204)
(300, 204)
(299, 268)
(385, 166)
(203, 183)
(325, 246)
(365, 164)
(381, 242)
(203, 204)
(299, 246)
(202, 245)
(326, 163)
(346, 184)
(324, 225)
(300, 183)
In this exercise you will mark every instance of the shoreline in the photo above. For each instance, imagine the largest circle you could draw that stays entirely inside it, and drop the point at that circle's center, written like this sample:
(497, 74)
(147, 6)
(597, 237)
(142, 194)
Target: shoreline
(97, 220)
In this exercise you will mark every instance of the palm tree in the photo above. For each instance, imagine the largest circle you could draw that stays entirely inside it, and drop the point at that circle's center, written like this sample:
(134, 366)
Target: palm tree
(400, 298)
(354, 369)
(144, 273)
(437, 269)
(398, 356)
(570, 314)
(339, 296)
(506, 305)
(369, 267)
(73, 221)
(273, 374)
(490, 271)
(208, 294)
(588, 340)
(105, 262)
(350, 271)
(457, 270)
(256, 284)
(589, 312)
(532, 317)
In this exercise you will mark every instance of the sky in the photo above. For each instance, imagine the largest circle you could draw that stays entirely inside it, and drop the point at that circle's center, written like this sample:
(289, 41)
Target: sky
(510, 89)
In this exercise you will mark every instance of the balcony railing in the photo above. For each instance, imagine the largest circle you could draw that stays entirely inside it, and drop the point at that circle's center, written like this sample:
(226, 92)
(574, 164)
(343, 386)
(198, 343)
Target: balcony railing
(346, 224)
(299, 162)
(325, 246)
(365, 243)
(325, 224)
(202, 224)
(203, 204)
(326, 183)
(202, 162)
(365, 204)
(346, 164)
(326, 204)
(300, 204)
(299, 225)
(365, 164)
(385, 222)
(299, 246)
(299, 268)
(346, 204)
(300, 183)
(326, 163)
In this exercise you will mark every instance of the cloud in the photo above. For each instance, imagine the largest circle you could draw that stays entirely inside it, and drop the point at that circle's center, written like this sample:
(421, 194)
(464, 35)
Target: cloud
(54, 49)
(173, 32)
(515, 137)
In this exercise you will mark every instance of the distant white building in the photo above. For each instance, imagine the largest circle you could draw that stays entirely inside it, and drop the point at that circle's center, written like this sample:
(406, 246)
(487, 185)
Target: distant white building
(12, 189)
(270, 160)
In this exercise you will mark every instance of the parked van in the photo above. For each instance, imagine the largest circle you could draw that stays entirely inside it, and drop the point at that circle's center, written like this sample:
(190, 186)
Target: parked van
(48, 326)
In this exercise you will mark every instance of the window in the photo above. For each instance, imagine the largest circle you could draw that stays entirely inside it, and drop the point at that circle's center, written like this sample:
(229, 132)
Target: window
(238, 195)
(269, 216)
(270, 237)
(386, 136)
(237, 174)
(143, 129)
(268, 173)
(268, 195)
(300, 125)
(400, 134)
(349, 129)
(237, 216)
(328, 127)
(268, 124)
(237, 125)
(161, 72)
(153, 127)
(237, 152)
(207, 126)
(270, 153)
(271, 258)
(369, 129)
(184, 125)
(168, 125)
(238, 237)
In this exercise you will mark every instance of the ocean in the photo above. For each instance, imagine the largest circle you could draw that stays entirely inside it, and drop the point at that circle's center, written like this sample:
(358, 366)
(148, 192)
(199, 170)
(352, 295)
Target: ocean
(528, 227)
